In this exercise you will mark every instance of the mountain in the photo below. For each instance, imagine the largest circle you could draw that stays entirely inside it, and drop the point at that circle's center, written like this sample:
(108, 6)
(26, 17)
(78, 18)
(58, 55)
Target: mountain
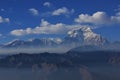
(43, 42)
(69, 59)
(84, 35)
(75, 37)
(95, 65)
(14, 43)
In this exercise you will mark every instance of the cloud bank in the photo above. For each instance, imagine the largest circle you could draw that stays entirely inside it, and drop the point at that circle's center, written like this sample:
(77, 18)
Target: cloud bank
(45, 28)
(98, 18)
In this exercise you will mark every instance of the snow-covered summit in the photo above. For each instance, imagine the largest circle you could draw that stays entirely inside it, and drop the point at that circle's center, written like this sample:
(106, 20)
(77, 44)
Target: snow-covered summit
(84, 35)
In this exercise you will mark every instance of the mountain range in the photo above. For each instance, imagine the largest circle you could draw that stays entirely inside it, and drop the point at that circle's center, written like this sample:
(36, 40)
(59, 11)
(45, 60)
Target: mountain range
(91, 52)
(75, 37)
(72, 65)
(68, 59)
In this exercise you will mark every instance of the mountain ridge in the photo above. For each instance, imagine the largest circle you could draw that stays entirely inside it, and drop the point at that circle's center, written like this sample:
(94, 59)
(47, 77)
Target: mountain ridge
(75, 37)
(69, 59)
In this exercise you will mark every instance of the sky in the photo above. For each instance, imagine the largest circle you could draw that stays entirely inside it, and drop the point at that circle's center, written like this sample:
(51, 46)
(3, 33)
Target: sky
(26, 19)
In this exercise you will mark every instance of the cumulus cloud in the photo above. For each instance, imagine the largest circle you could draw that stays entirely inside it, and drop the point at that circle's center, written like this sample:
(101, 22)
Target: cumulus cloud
(62, 11)
(98, 18)
(19, 32)
(47, 4)
(45, 28)
(4, 20)
(34, 11)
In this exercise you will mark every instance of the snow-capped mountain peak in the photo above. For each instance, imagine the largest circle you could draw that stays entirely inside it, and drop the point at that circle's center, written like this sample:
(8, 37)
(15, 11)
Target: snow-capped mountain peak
(84, 35)
(43, 42)
(15, 42)
(82, 30)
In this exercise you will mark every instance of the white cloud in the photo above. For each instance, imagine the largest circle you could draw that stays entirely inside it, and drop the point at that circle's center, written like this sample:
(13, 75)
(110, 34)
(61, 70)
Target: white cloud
(19, 32)
(62, 11)
(47, 4)
(99, 18)
(45, 28)
(4, 20)
(44, 23)
(34, 11)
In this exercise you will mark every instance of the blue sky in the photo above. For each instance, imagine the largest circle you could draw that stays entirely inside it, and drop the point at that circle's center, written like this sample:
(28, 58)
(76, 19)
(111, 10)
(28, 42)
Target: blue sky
(24, 19)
